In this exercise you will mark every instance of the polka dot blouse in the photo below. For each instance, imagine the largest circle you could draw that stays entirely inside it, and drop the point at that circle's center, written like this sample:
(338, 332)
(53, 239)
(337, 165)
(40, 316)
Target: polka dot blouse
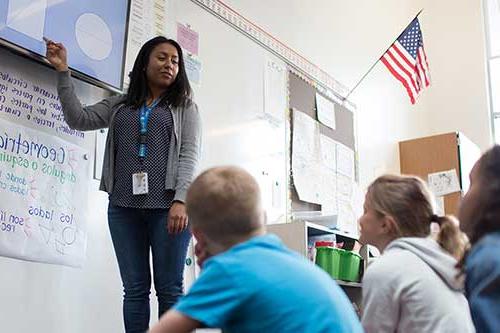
(127, 160)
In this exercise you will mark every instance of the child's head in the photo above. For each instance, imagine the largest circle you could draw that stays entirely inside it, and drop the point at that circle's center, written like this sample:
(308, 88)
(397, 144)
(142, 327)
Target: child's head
(480, 208)
(401, 206)
(224, 206)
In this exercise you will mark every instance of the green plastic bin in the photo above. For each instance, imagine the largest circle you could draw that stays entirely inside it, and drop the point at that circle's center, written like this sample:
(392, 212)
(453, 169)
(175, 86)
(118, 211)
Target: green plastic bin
(328, 258)
(350, 264)
(336, 255)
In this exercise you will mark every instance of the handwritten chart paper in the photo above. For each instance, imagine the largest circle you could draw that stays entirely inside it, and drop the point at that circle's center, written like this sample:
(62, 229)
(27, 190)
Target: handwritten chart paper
(34, 104)
(44, 189)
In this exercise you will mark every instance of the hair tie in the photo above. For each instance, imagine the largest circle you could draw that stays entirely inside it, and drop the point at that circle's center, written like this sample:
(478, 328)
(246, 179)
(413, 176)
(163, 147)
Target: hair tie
(435, 218)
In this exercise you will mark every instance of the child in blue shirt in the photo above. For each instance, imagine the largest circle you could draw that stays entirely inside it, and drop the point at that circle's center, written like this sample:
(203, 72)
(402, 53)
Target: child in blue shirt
(480, 219)
(250, 281)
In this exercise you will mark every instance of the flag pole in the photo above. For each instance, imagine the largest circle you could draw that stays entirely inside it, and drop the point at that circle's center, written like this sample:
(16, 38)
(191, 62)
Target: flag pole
(344, 99)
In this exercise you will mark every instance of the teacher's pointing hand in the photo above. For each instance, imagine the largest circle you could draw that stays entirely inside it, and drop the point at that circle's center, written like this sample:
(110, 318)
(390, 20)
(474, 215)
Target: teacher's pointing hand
(57, 55)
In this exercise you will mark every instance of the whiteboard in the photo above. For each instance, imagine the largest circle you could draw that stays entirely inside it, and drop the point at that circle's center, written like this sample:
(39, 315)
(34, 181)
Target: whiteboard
(237, 130)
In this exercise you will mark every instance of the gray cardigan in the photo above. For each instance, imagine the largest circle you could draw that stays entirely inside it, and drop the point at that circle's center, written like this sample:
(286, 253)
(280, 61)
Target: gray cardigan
(185, 143)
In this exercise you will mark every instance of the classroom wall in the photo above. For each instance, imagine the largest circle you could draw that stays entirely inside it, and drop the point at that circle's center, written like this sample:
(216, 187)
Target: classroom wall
(55, 299)
(455, 41)
(346, 37)
(342, 37)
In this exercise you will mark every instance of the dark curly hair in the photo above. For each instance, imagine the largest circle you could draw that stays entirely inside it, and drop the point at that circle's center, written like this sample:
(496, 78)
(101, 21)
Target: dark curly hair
(487, 215)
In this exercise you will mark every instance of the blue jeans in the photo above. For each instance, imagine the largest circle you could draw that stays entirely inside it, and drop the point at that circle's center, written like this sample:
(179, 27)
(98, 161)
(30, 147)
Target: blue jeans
(134, 232)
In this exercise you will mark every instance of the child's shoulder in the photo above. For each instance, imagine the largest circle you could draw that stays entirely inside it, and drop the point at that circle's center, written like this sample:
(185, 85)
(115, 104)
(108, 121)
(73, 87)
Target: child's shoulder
(264, 252)
(486, 250)
(392, 265)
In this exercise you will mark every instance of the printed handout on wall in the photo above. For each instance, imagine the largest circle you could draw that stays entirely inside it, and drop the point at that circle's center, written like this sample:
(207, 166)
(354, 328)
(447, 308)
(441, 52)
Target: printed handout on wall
(328, 153)
(323, 173)
(147, 19)
(444, 182)
(306, 165)
(326, 111)
(350, 207)
(440, 207)
(328, 175)
(188, 38)
(193, 69)
(345, 161)
(100, 146)
(328, 191)
(43, 182)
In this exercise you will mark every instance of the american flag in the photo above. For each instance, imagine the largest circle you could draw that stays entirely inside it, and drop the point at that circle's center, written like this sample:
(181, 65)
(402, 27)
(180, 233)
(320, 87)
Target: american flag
(406, 60)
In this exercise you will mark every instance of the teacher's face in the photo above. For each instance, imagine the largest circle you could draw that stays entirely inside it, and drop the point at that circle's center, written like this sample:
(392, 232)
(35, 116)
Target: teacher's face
(163, 66)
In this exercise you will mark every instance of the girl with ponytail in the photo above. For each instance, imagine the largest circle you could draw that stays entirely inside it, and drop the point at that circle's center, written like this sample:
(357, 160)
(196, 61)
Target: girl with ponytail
(480, 219)
(413, 286)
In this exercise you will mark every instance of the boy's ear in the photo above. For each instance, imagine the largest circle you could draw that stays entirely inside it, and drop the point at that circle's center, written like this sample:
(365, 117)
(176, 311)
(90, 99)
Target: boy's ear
(390, 226)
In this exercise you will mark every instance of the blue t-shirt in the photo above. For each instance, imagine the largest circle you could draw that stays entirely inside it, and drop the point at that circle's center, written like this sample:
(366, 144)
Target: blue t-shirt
(482, 283)
(260, 286)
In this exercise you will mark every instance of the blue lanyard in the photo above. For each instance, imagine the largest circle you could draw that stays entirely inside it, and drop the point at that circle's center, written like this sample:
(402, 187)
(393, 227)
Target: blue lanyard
(143, 130)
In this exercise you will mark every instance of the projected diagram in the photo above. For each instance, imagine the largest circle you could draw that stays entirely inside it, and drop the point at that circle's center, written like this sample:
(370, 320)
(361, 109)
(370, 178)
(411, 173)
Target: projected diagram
(93, 36)
(93, 32)
(27, 17)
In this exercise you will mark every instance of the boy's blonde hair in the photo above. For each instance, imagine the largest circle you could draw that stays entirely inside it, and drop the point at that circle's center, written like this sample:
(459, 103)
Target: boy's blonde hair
(225, 204)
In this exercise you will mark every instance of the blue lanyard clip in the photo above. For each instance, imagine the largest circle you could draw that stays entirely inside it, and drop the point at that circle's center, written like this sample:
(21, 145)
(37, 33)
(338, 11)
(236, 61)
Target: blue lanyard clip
(143, 122)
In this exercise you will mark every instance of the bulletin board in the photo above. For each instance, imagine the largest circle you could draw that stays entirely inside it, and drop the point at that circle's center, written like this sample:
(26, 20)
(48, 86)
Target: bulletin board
(302, 98)
(243, 109)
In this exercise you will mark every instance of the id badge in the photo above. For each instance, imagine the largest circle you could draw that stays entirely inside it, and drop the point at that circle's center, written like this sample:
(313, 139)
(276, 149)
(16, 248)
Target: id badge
(140, 183)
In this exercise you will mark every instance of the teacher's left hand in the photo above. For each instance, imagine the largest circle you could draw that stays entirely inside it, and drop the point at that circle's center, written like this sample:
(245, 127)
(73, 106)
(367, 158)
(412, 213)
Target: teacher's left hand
(177, 218)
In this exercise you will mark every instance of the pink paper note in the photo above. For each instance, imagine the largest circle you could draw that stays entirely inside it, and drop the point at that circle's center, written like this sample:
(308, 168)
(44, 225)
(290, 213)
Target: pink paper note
(187, 38)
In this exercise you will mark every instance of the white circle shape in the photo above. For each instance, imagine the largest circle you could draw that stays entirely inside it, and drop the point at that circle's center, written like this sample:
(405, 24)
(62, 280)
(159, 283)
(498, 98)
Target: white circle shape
(93, 36)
